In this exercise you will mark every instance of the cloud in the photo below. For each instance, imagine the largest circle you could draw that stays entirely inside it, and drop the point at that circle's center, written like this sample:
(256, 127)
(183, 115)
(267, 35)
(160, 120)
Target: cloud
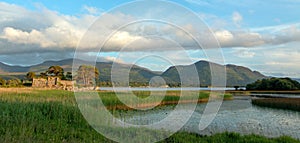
(244, 53)
(237, 18)
(112, 59)
(289, 34)
(92, 10)
(23, 31)
(48, 30)
(270, 60)
(276, 35)
(43, 28)
(239, 38)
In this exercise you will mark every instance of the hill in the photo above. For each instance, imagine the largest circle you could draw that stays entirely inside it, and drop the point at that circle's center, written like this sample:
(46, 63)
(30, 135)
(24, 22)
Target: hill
(236, 75)
(137, 73)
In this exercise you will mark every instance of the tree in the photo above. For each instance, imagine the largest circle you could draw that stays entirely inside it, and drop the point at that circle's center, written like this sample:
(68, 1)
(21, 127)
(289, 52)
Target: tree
(236, 87)
(87, 75)
(30, 75)
(69, 76)
(2, 82)
(14, 83)
(43, 75)
(56, 71)
(274, 84)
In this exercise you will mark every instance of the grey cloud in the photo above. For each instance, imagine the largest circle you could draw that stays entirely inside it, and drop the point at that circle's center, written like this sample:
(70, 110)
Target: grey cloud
(24, 31)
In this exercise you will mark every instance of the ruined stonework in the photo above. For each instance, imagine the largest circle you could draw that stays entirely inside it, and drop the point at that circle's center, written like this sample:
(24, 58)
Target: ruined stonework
(52, 82)
(39, 82)
(66, 85)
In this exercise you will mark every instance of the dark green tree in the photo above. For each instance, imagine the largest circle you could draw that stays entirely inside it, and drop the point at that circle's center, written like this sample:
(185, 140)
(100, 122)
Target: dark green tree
(2, 82)
(14, 83)
(236, 87)
(69, 76)
(43, 75)
(30, 75)
(274, 84)
(56, 71)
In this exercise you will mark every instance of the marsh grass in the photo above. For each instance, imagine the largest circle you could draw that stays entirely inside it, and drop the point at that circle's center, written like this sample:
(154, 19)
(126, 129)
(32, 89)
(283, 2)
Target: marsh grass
(279, 103)
(53, 116)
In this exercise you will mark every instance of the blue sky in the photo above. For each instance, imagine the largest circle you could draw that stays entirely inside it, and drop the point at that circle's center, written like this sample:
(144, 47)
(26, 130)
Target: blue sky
(262, 35)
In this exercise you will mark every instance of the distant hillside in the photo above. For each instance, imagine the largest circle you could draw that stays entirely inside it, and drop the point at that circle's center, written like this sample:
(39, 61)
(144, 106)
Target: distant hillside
(236, 75)
(8, 68)
(137, 73)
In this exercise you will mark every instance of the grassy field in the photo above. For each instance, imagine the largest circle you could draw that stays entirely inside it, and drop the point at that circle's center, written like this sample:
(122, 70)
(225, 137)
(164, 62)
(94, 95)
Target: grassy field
(279, 103)
(31, 115)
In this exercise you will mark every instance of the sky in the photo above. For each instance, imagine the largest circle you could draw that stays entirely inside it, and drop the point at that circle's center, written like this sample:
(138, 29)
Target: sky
(261, 35)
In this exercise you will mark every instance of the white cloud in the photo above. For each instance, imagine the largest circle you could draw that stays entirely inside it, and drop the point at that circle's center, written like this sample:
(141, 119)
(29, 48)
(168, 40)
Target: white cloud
(48, 29)
(23, 37)
(43, 28)
(237, 18)
(92, 10)
(24, 31)
(113, 59)
(244, 53)
(280, 60)
(224, 36)
(239, 38)
(54, 31)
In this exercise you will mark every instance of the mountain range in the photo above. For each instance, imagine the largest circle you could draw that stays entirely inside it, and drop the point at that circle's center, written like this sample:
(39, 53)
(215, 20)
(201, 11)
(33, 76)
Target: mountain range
(236, 75)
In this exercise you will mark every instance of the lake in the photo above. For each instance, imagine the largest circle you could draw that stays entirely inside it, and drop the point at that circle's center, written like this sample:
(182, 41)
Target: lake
(163, 89)
(237, 115)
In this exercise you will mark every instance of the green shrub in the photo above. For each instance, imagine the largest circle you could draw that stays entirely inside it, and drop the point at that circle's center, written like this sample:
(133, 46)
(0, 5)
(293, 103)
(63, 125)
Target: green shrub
(274, 84)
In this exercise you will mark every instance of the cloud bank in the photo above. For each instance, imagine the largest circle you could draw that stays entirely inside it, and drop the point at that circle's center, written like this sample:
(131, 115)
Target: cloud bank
(24, 30)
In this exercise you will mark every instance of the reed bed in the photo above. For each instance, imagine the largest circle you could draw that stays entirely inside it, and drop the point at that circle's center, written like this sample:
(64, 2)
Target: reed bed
(279, 103)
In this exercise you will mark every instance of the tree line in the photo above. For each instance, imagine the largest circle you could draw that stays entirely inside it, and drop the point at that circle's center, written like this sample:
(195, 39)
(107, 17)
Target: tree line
(274, 84)
(56, 71)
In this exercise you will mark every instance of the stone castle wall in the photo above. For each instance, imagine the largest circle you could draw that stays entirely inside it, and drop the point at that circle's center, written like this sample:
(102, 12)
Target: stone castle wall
(52, 82)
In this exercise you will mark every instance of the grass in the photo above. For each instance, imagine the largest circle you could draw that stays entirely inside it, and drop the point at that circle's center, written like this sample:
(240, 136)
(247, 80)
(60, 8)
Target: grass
(279, 103)
(43, 116)
(111, 100)
(28, 115)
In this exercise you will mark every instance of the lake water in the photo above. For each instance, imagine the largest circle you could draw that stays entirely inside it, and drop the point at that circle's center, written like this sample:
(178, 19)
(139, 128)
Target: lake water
(237, 115)
(162, 89)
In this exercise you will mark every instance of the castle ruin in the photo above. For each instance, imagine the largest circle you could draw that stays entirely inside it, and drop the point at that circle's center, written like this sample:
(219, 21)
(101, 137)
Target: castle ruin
(52, 82)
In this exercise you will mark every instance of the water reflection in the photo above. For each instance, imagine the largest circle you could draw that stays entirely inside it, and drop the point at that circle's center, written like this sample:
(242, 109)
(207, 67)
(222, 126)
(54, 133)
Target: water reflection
(237, 115)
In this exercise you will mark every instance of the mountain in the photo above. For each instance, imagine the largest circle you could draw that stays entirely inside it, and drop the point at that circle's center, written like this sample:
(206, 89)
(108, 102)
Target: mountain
(236, 75)
(137, 73)
(8, 68)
